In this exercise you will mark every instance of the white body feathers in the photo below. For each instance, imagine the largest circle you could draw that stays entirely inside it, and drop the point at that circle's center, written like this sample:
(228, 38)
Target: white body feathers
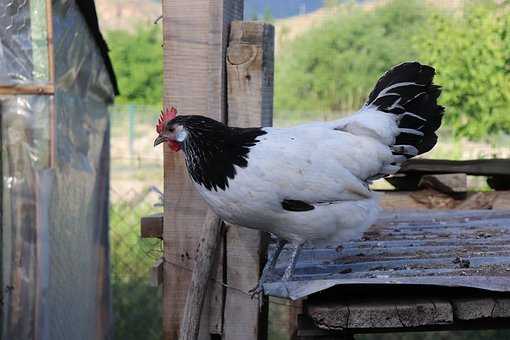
(310, 182)
(327, 165)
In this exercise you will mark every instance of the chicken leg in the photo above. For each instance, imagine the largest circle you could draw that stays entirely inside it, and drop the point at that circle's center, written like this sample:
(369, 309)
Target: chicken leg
(270, 264)
(289, 271)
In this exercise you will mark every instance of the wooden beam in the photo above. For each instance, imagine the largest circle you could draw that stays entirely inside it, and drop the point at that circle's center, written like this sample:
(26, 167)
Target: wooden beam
(195, 38)
(250, 60)
(2, 230)
(481, 308)
(151, 226)
(190, 324)
(26, 89)
(51, 78)
(49, 39)
(478, 167)
(156, 278)
(384, 313)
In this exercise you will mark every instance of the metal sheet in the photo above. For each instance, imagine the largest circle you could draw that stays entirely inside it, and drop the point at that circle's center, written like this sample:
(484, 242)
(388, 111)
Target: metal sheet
(445, 248)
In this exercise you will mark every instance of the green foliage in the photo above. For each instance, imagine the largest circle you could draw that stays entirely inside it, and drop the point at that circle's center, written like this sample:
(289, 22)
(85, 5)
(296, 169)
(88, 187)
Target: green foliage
(471, 53)
(268, 15)
(138, 62)
(136, 305)
(334, 66)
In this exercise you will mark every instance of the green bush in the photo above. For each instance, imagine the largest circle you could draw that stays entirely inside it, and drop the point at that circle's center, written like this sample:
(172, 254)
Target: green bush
(334, 66)
(472, 56)
(138, 62)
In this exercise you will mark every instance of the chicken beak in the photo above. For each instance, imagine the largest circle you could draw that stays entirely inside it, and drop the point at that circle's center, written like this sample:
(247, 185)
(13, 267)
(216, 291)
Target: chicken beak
(159, 140)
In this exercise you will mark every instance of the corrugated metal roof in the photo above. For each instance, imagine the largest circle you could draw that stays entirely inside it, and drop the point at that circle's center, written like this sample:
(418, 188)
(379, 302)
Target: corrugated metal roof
(446, 248)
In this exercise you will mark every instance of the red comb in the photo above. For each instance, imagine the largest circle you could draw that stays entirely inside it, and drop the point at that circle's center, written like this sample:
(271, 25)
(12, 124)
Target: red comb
(165, 116)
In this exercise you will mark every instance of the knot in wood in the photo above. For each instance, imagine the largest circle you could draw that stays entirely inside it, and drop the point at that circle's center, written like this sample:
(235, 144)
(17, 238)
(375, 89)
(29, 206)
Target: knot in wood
(241, 54)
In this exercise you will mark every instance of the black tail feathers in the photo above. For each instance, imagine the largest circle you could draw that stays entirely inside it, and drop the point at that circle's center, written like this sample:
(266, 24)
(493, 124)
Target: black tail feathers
(407, 91)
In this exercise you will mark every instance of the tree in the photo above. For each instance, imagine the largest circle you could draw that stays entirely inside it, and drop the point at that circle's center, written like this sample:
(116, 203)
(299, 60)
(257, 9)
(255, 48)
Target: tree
(334, 66)
(471, 54)
(268, 15)
(138, 62)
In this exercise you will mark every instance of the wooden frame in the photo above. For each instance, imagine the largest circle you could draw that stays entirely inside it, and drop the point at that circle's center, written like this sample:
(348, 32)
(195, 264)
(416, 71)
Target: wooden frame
(198, 82)
(343, 319)
(199, 72)
(47, 88)
(51, 77)
(195, 38)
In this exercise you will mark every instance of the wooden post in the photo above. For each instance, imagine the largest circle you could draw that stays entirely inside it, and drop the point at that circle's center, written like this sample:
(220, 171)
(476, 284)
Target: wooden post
(195, 38)
(250, 60)
(209, 243)
(51, 79)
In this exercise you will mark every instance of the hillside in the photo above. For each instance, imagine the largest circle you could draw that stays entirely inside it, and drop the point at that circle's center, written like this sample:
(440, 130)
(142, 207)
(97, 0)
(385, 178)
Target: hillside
(293, 16)
(279, 8)
(288, 29)
(127, 14)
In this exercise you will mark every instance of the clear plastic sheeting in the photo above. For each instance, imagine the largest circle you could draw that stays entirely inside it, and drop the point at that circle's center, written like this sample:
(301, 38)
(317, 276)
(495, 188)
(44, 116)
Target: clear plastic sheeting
(55, 214)
(23, 43)
(25, 141)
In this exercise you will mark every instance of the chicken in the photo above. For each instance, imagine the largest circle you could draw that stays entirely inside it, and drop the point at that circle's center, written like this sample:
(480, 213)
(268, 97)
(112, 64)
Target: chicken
(309, 183)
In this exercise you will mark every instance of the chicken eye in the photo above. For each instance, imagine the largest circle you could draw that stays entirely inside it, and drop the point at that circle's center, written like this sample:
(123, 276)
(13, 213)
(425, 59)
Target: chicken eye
(171, 129)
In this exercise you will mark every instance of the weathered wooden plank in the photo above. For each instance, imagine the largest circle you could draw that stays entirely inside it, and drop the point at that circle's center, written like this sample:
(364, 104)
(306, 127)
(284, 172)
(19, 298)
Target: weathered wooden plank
(207, 249)
(185, 24)
(250, 60)
(222, 13)
(151, 226)
(194, 46)
(481, 307)
(382, 313)
(22, 89)
(309, 330)
(185, 30)
(250, 72)
(429, 199)
(478, 167)
(156, 273)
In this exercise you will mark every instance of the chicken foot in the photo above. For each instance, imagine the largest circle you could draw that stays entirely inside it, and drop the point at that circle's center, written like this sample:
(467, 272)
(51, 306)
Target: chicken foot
(270, 264)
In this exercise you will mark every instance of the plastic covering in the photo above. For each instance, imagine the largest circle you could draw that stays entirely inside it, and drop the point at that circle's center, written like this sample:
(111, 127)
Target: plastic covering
(23, 50)
(55, 214)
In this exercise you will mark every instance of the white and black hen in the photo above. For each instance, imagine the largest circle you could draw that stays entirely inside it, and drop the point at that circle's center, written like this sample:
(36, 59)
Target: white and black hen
(309, 183)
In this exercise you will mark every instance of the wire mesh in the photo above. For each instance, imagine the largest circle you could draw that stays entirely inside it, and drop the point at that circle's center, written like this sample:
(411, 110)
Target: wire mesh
(136, 182)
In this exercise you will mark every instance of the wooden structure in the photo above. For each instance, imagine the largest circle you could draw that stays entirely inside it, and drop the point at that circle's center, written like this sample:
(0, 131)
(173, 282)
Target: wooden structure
(496, 170)
(412, 272)
(54, 218)
(203, 76)
(223, 68)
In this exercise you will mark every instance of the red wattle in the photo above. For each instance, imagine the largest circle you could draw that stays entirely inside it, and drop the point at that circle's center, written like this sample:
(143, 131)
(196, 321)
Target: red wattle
(174, 145)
